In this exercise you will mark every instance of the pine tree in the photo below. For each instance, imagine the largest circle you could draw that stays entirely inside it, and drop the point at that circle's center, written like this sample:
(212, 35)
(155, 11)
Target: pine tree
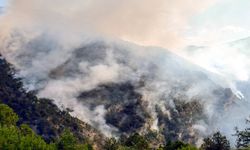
(216, 142)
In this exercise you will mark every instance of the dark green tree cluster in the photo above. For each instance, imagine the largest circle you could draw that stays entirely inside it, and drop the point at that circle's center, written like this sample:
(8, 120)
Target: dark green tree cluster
(21, 138)
(13, 137)
(133, 142)
(138, 142)
(243, 138)
(178, 145)
(216, 142)
(67, 141)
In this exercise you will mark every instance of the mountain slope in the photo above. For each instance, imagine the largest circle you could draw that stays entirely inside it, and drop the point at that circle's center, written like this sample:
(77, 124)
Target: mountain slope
(120, 88)
(42, 115)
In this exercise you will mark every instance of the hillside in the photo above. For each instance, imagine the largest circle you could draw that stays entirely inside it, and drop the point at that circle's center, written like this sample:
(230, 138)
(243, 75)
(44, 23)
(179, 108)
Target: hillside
(118, 90)
(42, 115)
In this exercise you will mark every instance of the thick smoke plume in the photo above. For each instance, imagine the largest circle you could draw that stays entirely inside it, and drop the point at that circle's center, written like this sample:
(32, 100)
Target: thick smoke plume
(61, 49)
(147, 22)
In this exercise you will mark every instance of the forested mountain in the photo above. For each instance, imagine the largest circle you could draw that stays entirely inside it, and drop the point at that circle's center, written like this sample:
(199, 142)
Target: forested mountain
(44, 117)
(53, 127)
(124, 75)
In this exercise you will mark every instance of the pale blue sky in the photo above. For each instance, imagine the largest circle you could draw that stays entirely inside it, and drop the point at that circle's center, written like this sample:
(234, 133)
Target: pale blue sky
(226, 20)
(2, 2)
(233, 12)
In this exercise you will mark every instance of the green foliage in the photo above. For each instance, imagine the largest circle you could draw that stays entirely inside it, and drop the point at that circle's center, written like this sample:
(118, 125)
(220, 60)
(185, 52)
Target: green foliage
(216, 142)
(137, 141)
(7, 116)
(112, 144)
(243, 138)
(67, 141)
(34, 142)
(8, 137)
(13, 137)
(24, 138)
(133, 142)
(188, 147)
(178, 145)
(26, 130)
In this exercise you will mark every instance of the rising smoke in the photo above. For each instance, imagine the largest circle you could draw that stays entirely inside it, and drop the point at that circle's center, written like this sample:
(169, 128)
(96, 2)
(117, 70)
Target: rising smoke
(63, 48)
(146, 22)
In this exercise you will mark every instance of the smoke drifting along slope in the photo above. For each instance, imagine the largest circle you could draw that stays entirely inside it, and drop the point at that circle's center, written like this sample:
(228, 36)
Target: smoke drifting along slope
(165, 88)
(102, 79)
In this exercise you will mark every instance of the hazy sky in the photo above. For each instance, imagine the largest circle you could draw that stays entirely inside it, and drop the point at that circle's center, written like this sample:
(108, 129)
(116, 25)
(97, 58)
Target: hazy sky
(187, 22)
(225, 21)
(2, 2)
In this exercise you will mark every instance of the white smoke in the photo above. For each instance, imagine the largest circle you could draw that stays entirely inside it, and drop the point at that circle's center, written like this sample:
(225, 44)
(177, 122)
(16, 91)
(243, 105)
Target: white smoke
(41, 37)
(147, 22)
(230, 61)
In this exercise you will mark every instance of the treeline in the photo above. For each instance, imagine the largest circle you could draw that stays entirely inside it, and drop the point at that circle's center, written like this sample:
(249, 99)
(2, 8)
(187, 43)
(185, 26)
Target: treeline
(217, 141)
(13, 137)
(22, 137)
